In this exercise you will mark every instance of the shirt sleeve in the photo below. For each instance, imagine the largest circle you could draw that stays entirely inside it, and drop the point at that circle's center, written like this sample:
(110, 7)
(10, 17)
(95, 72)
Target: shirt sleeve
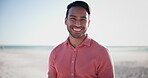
(105, 68)
(52, 70)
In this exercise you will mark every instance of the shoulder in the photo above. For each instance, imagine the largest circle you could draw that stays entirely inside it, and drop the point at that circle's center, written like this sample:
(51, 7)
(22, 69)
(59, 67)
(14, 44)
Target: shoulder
(99, 49)
(102, 51)
(98, 46)
(58, 48)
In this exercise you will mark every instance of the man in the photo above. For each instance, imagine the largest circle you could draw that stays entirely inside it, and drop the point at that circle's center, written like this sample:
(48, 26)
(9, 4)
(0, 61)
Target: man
(79, 56)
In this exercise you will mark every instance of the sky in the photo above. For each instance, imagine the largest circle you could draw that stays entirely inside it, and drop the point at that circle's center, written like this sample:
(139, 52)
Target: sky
(41, 22)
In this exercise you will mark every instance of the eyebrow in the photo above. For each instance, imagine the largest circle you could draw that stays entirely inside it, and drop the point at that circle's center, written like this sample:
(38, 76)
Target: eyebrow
(76, 16)
(72, 16)
(83, 17)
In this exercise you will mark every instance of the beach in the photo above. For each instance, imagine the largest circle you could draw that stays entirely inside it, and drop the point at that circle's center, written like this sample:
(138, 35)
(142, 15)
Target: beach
(130, 64)
(24, 63)
(34, 64)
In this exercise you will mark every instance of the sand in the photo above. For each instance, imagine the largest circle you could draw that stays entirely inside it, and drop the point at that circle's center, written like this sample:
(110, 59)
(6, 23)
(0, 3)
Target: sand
(34, 64)
(23, 63)
(130, 64)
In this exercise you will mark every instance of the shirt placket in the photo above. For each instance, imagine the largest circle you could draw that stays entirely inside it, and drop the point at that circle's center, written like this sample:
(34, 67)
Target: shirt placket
(73, 63)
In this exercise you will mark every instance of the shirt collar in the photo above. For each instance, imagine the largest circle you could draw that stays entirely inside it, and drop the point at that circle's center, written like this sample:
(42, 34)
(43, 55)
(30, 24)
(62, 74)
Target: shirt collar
(86, 42)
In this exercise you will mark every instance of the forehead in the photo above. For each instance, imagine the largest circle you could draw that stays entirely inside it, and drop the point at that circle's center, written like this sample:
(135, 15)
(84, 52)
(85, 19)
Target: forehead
(77, 11)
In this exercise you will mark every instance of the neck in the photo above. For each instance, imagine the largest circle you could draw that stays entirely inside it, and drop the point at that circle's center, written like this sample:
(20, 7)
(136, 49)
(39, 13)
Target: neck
(75, 42)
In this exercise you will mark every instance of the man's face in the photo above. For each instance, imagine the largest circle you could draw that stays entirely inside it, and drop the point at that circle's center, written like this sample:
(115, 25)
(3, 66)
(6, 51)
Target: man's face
(77, 22)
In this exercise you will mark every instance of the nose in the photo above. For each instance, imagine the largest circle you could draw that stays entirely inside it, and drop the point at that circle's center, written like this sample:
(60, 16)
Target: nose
(78, 23)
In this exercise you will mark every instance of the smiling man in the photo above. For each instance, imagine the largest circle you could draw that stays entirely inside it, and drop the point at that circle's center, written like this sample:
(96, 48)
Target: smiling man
(79, 56)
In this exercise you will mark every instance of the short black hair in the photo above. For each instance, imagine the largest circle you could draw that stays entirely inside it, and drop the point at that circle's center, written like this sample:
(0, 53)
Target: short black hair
(78, 4)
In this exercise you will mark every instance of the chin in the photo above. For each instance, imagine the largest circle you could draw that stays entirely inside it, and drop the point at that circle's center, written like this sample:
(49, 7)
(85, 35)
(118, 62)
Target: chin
(79, 36)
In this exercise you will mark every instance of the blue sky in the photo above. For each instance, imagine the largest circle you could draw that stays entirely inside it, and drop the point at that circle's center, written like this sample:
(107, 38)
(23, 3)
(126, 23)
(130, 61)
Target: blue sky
(41, 22)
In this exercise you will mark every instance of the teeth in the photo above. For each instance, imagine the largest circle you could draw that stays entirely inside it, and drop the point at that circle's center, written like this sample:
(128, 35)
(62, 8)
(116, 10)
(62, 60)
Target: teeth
(77, 29)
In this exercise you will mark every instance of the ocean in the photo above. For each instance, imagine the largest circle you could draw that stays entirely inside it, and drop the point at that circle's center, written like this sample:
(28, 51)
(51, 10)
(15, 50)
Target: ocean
(128, 48)
(111, 48)
(28, 47)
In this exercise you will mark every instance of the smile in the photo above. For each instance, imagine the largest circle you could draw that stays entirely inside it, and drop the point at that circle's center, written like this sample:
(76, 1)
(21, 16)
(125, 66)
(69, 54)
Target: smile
(77, 29)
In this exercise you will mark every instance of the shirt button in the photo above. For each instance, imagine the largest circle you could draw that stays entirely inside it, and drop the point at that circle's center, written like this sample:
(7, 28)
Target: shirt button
(72, 61)
(75, 50)
(72, 74)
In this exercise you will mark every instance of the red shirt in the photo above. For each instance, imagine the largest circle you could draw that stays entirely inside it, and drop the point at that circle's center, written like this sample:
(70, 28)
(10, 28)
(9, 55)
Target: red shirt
(89, 60)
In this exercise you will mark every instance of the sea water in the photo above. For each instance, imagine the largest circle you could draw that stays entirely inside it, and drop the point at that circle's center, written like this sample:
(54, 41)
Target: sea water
(128, 48)
(111, 48)
(28, 47)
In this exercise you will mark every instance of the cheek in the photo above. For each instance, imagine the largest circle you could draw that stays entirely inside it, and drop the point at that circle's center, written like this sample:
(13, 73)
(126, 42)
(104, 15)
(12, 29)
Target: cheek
(68, 26)
(68, 22)
(71, 22)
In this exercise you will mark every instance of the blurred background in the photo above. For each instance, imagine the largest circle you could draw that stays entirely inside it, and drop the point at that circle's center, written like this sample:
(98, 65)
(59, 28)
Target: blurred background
(41, 22)
(30, 29)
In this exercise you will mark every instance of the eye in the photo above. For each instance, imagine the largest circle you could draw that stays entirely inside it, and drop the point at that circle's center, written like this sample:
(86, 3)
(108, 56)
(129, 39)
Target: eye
(72, 19)
(83, 20)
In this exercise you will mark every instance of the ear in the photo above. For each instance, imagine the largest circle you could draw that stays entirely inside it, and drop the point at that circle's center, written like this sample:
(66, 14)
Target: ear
(65, 21)
(88, 23)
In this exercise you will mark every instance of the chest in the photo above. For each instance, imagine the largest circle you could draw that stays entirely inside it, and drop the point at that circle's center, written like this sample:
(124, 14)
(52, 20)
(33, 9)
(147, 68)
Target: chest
(77, 63)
